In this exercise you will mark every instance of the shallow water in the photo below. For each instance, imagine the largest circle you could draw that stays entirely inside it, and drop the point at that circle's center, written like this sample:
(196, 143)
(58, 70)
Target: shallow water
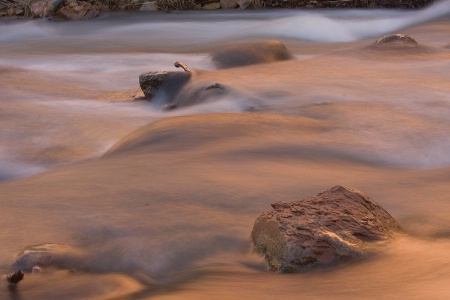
(162, 203)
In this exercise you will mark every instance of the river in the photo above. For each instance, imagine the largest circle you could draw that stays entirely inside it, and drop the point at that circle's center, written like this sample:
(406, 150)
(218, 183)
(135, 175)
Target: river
(168, 212)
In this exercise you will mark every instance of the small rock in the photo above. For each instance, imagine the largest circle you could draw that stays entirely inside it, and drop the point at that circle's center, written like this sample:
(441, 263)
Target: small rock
(211, 6)
(80, 10)
(15, 278)
(396, 38)
(149, 6)
(336, 225)
(248, 4)
(45, 8)
(229, 4)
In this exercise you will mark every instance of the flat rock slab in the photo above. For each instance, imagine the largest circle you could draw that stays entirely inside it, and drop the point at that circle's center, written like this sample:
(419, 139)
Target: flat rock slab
(337, 225)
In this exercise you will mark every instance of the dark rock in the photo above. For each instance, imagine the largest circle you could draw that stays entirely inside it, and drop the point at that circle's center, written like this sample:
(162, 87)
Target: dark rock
(336, 225)
(166, 83)
(250, 54)
(15, 277)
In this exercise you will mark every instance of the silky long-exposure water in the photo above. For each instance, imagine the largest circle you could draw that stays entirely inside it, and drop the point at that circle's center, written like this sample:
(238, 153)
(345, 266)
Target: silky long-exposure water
(160, 204)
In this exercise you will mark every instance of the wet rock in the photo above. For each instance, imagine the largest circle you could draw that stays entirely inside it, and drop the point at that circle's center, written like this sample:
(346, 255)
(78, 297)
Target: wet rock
(15, 277)
(250, 53)
(337, 225)
(164, 83)
(197, 94)
(48, 255)
(399, 39)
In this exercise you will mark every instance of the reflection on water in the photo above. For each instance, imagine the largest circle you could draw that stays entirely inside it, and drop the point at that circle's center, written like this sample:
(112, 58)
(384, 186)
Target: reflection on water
(162, 203)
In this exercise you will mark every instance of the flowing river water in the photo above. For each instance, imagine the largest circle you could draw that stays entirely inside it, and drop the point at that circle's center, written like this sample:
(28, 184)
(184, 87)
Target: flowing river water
(167, 212)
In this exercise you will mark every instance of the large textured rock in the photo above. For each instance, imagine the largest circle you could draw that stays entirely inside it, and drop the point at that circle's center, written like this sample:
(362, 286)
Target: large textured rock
(338, 224)
(250, 53)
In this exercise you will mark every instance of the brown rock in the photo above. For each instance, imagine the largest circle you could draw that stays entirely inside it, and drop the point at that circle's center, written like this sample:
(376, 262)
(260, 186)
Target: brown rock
(45, 8)
(15, 277)
(396, 38)
(79, 10)
(337, 225)
(229, 4)
(211, 6)
(250, 54)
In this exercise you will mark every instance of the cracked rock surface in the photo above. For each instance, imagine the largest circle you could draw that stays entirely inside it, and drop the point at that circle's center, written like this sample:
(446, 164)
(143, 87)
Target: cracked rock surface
(337, 225)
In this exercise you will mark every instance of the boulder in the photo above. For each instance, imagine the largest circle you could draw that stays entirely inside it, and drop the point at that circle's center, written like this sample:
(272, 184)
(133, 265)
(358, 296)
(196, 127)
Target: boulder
(163, 83)
(337, 225)
(250, 53)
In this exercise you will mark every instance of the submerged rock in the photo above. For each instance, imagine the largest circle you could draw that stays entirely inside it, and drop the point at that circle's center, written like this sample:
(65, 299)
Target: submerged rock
(396, 38)
(250, 54)
(48, 255)
(336, 225)
(164, 83)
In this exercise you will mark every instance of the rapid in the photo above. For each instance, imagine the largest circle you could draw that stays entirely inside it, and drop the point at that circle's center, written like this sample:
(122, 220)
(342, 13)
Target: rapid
(161, 203)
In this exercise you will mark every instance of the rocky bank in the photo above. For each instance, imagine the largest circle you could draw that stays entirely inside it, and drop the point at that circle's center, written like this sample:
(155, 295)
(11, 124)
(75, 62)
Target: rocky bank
(84, 9)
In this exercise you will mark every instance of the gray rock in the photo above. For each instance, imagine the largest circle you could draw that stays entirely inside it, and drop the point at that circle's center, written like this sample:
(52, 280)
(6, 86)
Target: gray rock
(250, 53)
(337, 225)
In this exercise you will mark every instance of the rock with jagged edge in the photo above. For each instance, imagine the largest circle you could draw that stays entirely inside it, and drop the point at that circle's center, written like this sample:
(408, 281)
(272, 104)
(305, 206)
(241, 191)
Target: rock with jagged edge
(337, 225)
